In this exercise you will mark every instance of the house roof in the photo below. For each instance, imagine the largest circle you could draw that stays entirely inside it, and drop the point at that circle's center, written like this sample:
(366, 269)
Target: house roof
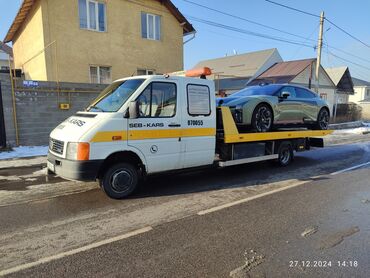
(336, 74)
(28, 4)
(5, 48)
(341, 78)
(285, 72)
(359, 82)
(242, 65)
(288, 69)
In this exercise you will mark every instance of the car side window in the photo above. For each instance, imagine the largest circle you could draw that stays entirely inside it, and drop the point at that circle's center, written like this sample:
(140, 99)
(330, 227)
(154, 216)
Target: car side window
(303, 93)
(158, 100)
(288, 89)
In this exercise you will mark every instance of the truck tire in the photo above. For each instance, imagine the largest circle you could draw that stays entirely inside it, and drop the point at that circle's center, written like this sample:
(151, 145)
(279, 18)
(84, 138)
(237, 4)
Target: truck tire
(120, 180)
(285, 153)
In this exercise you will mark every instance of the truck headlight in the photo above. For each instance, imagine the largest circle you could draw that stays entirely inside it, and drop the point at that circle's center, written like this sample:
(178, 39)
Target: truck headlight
(72, 151)
(78, 151)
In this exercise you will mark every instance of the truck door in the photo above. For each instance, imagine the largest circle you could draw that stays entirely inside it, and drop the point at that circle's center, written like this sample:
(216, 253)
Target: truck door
(157, 130)
(199, 122)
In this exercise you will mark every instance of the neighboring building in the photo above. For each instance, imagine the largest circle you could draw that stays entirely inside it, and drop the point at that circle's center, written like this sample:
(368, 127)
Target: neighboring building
(97, 41)
(232, 73)
(343, 81)
(5, 53)
(300, 72)
(362, 91)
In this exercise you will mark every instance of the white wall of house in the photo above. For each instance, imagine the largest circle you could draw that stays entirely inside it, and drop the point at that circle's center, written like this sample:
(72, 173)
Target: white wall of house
(342, 98)
(361, 93)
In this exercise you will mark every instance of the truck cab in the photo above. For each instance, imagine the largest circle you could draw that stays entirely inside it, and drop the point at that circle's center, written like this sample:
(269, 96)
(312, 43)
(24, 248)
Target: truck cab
(137, 126)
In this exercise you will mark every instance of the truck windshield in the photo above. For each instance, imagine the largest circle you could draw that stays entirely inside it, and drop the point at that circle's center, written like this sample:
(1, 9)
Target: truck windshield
(114, 96)
(267, 90)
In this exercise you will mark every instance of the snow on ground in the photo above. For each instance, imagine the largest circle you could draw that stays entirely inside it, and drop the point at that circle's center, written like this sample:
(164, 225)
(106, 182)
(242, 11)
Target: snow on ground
(29, 177)
(357, 130)
(24, 151)
(22, 162)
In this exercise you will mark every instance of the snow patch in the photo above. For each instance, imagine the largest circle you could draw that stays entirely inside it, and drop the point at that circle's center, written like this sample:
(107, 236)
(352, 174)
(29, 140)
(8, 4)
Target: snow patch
(19, 162)
(24, 151)
(358, 130)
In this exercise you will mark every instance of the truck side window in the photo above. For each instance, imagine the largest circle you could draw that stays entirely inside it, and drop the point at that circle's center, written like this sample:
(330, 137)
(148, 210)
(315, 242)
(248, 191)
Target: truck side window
(199, 100)
(158, 100)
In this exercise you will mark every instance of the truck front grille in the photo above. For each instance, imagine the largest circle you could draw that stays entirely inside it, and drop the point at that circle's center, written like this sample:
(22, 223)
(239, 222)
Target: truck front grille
(56, 146)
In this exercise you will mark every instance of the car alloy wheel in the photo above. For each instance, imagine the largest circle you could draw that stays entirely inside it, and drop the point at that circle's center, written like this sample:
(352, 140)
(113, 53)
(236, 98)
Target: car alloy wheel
(262, 118)
(323, 119)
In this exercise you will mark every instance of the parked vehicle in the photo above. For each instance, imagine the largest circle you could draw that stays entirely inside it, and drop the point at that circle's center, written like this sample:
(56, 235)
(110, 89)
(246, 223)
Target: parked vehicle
(150, 124)
(266, 107)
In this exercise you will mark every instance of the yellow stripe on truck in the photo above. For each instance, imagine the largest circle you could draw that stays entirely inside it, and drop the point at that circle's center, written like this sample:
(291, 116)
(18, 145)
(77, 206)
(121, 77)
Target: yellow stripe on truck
(107, 136)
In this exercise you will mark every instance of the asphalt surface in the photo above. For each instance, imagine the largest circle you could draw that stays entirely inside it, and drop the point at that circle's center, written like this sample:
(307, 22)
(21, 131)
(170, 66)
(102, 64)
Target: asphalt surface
(291, 233)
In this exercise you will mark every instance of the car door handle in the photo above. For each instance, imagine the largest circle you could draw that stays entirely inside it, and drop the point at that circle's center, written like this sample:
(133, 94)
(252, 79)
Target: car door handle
(174, 125)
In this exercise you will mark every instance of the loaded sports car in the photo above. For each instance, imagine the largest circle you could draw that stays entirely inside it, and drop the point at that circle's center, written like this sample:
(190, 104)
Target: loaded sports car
(265, 107)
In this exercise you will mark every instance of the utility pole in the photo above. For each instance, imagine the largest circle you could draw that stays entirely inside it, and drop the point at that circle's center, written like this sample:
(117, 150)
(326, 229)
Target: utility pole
(319, 48)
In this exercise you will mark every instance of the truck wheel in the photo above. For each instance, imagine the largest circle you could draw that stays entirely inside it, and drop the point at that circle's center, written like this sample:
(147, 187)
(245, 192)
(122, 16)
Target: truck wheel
(285, 153)
(262, 118)
(120, 180)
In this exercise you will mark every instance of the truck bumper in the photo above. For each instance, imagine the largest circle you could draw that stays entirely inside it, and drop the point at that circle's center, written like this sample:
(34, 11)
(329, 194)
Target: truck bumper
(72, 169)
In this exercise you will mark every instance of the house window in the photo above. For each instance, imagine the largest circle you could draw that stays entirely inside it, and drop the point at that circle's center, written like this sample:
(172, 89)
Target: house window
(367, 93)
(150, 26)
(100, 75)
(324, 96)
(145, 72)
(92, 15)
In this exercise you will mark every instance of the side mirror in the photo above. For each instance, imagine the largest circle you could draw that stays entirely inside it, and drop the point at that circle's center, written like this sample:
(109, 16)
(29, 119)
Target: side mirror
(285, 95)
(133, 110)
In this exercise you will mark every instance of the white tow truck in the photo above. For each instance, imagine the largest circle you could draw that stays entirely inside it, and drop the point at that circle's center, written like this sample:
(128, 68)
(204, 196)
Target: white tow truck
(151, 124)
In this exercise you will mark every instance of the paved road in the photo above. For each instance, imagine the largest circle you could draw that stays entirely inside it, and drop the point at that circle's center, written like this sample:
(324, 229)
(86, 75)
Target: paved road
(49, 221)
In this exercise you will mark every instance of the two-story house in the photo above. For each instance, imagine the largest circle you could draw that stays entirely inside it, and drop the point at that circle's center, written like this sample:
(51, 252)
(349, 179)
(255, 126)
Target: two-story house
(97, 41)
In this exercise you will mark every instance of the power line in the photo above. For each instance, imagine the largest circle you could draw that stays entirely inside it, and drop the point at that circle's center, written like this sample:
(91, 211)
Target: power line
(344, 31)
(328, 20)
(245, 19)
(345, 52)
(308, 38)
(276, 29)
(291, 8)
(243, 31)
(348, 61)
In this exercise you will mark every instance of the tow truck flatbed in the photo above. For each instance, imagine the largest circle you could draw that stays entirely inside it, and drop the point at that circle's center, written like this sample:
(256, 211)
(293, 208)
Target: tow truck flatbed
(232, 135)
